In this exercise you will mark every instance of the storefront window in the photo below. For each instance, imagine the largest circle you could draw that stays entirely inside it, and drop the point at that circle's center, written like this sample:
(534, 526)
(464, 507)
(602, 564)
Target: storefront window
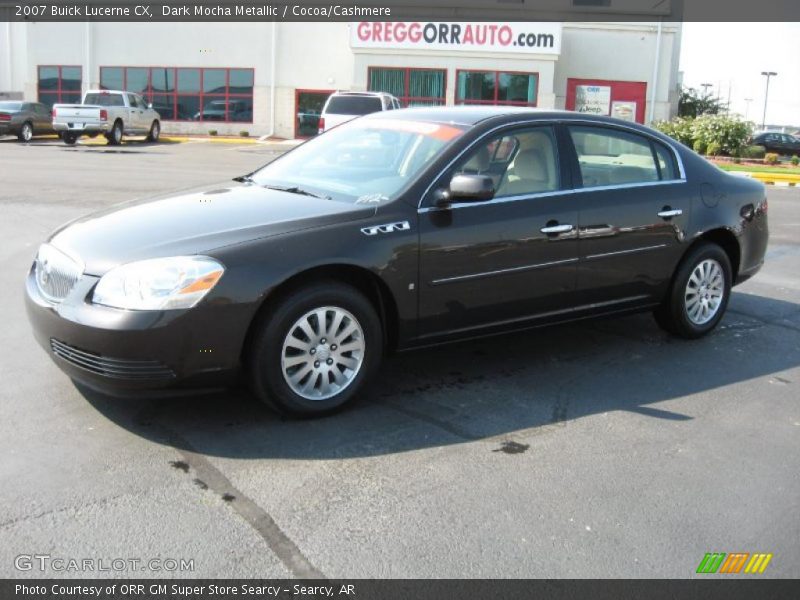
(496, 88)
(308, 108)
(189, 94)
(59, 84)
(413, 87)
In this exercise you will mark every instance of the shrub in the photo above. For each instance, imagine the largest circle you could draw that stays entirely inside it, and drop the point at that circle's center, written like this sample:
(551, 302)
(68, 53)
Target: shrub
(244, 133)
(771, 158)
(713, 148)
(795, 160)
(753, 152)
(212, 132)
(737, 160)
(730, 133)
(699, 146)
(679, 128)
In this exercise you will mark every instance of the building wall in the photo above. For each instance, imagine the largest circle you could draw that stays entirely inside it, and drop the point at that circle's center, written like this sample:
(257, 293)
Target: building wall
(318, 56)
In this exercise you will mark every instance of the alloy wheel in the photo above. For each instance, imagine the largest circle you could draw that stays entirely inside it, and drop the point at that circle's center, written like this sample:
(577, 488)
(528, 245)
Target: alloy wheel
(27, 132)
(704, 292)
(322, 353)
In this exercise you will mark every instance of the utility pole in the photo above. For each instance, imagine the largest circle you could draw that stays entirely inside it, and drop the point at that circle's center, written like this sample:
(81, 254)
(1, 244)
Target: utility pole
(767, 74)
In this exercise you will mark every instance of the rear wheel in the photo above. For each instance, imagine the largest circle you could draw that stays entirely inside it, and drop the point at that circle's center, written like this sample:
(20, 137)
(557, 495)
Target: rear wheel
(155, 132)
(699, 293)
(69, 138)
(114, 137)
(317, 351)
(25, 132)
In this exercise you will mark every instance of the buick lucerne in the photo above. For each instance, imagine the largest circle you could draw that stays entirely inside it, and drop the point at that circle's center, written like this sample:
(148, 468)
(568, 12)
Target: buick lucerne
(396, 230)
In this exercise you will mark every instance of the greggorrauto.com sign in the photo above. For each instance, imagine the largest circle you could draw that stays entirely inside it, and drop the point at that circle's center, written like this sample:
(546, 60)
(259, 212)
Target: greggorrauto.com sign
(531, 38)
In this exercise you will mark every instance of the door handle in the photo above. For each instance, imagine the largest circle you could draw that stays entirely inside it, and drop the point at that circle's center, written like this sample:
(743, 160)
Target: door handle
(557, 228)
(668, 213)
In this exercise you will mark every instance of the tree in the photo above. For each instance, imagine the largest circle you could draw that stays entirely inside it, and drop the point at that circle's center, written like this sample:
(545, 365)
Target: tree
(693, 103)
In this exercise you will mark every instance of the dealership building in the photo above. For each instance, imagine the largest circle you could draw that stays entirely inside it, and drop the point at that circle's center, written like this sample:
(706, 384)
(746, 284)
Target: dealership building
(272, 78)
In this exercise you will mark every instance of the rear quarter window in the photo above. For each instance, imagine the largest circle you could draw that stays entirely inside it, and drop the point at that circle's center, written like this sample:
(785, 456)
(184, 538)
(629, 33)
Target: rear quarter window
(353, 105)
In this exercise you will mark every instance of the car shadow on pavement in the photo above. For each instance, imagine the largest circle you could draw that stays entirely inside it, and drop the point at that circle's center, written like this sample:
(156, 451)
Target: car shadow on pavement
(532, 381)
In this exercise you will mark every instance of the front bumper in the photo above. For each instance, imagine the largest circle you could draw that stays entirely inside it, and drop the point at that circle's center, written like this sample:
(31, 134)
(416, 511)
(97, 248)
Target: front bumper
(123, 352)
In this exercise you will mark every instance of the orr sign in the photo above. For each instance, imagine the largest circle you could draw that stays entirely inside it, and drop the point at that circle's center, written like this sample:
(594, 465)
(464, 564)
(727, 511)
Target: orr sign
(528, 38)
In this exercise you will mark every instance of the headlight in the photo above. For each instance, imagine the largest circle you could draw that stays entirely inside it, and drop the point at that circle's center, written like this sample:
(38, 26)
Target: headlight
(158, 284)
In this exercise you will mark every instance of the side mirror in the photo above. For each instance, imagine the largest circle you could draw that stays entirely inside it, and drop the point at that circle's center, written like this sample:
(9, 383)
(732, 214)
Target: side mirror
(150, 105)
(467, 188)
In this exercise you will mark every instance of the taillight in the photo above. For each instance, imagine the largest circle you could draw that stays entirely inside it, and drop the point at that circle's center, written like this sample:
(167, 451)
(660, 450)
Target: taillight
(5, 117)
(54, 113)
(321, 125)
(103, 115)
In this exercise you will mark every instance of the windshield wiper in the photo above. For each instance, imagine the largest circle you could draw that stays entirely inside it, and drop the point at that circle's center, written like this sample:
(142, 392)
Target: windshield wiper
(296, 190)
(244, 179)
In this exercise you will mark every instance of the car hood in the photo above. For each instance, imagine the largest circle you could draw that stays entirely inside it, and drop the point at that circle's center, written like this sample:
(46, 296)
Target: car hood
(195, 223)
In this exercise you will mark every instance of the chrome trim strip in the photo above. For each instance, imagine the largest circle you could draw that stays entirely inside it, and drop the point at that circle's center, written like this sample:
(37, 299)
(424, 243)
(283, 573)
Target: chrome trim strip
(550, 122)
(619, 252)
(625, 186)
(502, 271)
(534, 317)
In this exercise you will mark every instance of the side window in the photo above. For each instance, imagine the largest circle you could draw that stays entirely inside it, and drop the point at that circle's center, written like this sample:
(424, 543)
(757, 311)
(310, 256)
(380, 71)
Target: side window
(142, 102)
(520, 162)
(612, 157)
(132, 100)
(666, 162)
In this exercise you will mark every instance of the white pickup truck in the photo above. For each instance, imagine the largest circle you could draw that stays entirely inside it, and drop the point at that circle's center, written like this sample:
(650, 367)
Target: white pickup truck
(109, 112)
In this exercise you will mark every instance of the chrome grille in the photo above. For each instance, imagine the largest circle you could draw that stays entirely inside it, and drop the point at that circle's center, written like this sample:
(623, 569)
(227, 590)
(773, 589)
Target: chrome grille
(56, 273)
(118, 368)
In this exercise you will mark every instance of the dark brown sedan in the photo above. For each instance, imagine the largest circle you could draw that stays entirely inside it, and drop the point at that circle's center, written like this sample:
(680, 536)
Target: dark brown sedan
(24, 119)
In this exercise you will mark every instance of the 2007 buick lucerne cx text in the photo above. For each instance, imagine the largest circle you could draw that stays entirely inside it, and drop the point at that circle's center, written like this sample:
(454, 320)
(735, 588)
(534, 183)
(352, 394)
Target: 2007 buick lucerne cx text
(394, 231)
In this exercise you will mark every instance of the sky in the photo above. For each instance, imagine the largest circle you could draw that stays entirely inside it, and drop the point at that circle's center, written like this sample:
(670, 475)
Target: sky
(734, 55)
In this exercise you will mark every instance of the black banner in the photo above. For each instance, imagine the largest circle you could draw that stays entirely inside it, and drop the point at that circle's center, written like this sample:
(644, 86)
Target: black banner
(389, 10)
(398, 589)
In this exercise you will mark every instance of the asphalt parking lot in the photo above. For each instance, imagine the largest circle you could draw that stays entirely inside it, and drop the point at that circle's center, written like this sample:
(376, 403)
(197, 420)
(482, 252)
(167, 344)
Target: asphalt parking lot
(604, 449)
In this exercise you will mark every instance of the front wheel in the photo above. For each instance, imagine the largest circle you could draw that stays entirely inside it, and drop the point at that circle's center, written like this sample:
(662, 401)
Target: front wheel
(155, 132)
(69, 138)
(317, 351)
(25, 132)
(699, 293)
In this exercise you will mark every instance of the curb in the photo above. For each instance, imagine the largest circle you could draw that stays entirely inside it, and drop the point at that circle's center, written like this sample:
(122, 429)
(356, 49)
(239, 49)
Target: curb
(780, 179)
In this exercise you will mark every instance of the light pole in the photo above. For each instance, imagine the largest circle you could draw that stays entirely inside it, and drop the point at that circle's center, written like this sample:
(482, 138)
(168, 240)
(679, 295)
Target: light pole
(705, 87)
(747, 102)
(766, 74)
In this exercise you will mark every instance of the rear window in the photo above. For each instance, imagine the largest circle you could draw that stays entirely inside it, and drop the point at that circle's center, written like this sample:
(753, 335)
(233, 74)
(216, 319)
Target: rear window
(354, 105)
(10, 105)
(104, 99)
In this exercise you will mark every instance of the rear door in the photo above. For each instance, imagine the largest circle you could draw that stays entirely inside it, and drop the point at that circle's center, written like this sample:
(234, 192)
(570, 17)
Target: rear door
(506, 260)
(634, 208)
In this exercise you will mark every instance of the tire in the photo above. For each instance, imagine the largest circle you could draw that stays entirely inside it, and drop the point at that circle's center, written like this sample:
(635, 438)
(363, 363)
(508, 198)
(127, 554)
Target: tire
(26, 132)
(69, 138)
(155, 132)
(282, 351)
(699, 293)
(114, 137)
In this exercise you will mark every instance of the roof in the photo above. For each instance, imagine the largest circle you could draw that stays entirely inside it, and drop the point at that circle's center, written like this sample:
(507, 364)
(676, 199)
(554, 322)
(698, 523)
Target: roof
(472, 115)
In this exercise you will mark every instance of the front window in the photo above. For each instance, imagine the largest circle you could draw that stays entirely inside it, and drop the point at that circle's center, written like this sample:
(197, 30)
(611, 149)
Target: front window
(59, 85)
(412, 87)
(496, 88)
(368, 160)
(188, 94)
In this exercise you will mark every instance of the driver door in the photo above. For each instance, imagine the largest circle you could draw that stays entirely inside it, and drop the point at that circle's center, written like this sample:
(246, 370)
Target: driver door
(504, 261)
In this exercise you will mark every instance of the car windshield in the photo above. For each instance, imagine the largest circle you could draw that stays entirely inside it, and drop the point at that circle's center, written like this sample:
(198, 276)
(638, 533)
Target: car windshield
(104, 99)
(10, 105)
(353, 105)
(366, 160)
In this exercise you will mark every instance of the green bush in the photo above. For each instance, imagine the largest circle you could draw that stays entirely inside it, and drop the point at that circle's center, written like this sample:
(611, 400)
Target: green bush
(713, 148)
(737, 160)
(771, 158)
(699, 146)
(795, 160)
(753, 152)
(730, 134)
(244, 133)
(212, 132)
